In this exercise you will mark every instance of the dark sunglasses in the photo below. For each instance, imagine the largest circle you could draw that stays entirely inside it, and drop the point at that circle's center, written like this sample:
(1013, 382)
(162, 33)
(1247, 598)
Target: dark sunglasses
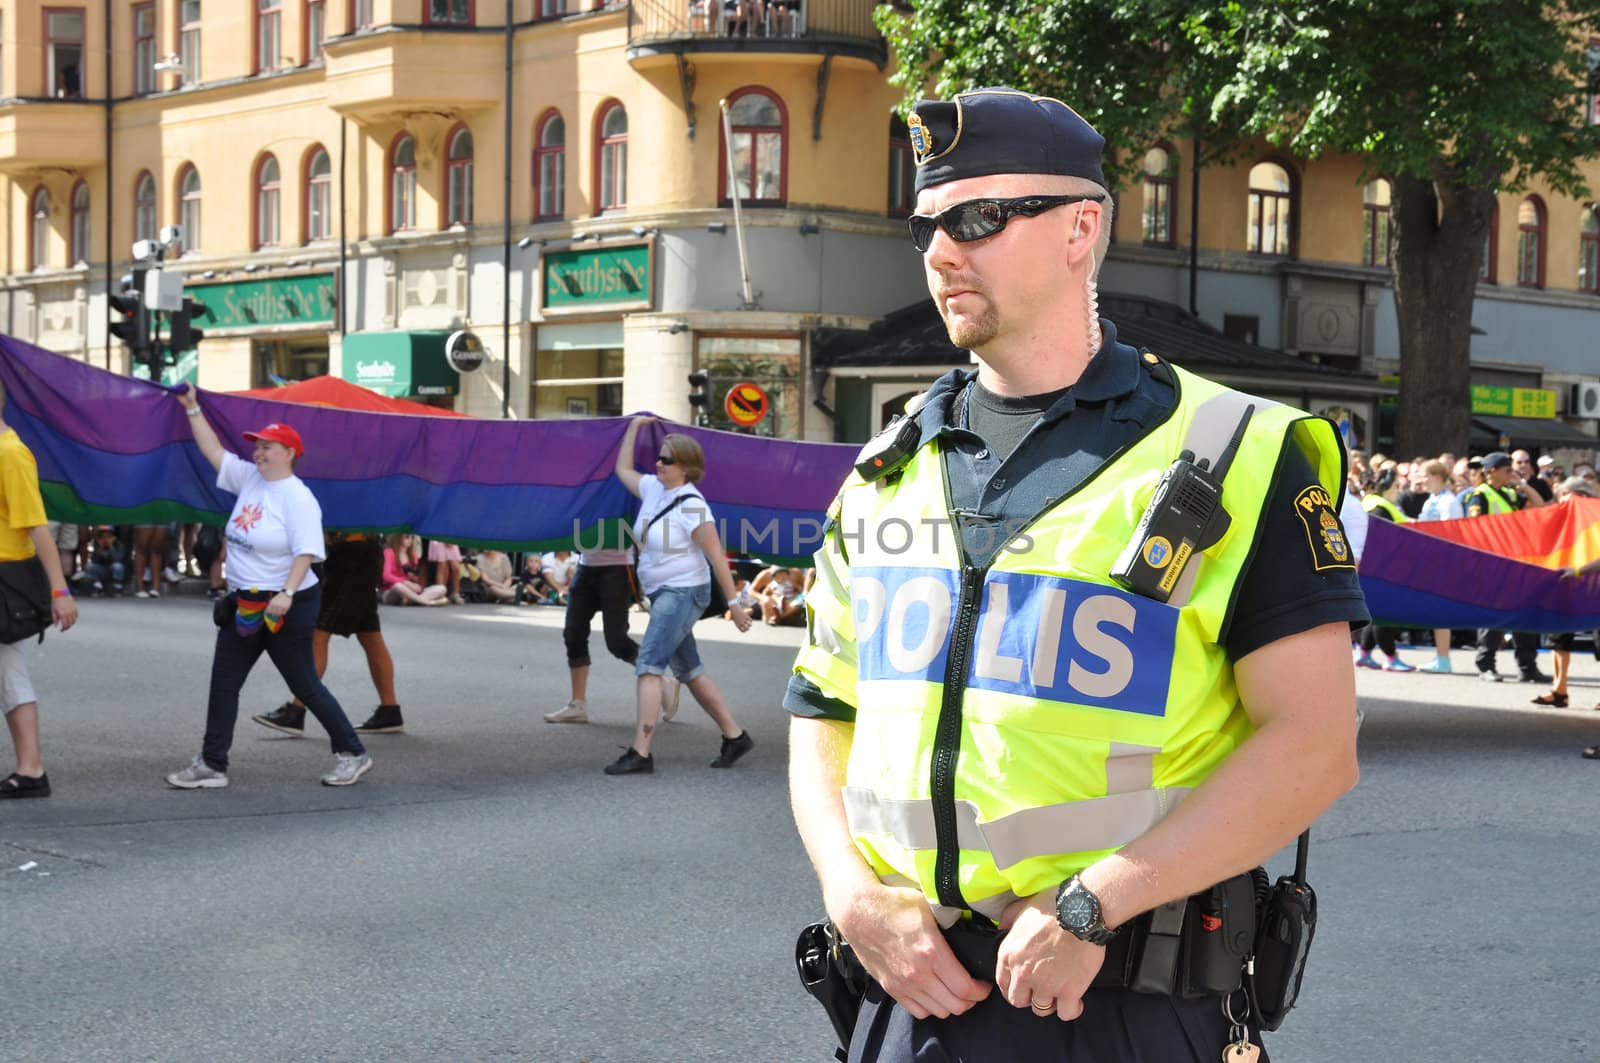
(979, 218)
(666, 459)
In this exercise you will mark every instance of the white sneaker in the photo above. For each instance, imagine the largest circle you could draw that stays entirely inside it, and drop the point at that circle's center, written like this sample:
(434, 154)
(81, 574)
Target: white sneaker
(198, 776)
(171, 575)
(141, 594)
(671, 690)
(347, 768)
(571, 712)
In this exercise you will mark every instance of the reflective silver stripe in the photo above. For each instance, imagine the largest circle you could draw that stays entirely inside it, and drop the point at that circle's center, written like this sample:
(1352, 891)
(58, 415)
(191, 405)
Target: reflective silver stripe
(1074, 826)
(1210, 429)
(993, 907)
(1130, 768)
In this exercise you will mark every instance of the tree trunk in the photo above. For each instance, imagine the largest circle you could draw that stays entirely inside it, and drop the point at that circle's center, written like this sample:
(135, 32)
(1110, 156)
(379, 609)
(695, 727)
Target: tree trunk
(1438, 251)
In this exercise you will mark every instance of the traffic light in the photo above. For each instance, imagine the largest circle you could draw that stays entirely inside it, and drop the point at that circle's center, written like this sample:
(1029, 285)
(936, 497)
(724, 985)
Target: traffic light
(134, 328)
(700, 397)
(183, 335)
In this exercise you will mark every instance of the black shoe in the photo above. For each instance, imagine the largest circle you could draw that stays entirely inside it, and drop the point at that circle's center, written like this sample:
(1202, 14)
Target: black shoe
(215, 593)
(733, 749)
(16, 785)
(385, 721)
(631, 763)
(1534, 676)
(288, 718)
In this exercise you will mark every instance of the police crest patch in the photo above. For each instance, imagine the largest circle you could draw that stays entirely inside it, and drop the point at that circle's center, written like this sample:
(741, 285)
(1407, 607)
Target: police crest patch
(921, 142)
(1324, 534)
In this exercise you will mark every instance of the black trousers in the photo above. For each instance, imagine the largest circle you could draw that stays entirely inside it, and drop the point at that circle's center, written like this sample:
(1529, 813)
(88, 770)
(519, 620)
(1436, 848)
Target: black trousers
(607, 590)
(1379, 636)
(1117, 1026)
(1525, 643)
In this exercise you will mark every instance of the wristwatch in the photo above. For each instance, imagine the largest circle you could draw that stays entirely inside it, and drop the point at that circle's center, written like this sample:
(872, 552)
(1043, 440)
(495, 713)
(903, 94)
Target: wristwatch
(1078, 912)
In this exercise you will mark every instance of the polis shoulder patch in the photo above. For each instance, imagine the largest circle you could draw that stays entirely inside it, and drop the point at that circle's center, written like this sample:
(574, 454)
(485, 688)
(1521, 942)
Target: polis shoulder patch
(1324, 534)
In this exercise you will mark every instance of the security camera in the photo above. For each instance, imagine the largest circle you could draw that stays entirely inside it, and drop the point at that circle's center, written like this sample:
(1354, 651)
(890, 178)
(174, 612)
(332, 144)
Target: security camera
(145, 250)
(171, 234)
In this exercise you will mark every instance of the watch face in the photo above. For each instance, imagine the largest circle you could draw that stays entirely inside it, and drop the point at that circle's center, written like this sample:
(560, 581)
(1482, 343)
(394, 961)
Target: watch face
(1077, 910)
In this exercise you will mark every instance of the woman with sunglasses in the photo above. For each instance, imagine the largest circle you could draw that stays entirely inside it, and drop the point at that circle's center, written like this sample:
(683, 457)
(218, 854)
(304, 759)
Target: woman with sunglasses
(679, 556)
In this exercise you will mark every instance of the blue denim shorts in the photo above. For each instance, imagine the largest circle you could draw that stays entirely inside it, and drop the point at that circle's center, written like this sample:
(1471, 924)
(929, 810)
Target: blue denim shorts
(669, 640)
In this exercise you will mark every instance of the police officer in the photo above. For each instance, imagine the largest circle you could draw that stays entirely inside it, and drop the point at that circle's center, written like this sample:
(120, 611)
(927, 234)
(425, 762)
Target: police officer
(986, 726)
(1504, 491)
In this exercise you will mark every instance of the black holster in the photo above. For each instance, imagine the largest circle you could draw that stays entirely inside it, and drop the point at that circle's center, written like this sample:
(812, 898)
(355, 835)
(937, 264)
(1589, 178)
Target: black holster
(830, 972)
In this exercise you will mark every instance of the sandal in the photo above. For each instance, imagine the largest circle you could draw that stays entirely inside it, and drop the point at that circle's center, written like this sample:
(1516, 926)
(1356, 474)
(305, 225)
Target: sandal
(16, 785)
(1591, 752)
(1553, 699)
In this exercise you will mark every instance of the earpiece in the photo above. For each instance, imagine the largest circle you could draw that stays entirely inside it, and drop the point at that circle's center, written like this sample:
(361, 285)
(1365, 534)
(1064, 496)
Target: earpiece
(1077, 223)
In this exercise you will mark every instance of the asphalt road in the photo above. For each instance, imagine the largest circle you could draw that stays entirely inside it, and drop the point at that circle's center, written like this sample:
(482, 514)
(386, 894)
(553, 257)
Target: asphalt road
(486, 893)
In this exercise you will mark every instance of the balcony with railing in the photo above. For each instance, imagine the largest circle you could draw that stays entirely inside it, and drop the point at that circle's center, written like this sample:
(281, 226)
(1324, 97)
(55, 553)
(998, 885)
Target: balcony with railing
(676, 27)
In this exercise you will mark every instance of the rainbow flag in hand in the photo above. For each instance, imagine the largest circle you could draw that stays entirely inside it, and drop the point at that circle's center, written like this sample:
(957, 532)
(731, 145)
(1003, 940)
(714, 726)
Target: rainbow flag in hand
(1487, 572)
(250, 613)
(117, 450)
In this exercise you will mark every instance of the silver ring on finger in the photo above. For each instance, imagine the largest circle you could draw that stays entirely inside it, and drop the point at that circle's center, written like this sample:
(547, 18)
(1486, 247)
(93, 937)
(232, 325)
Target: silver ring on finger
(1046, 1008)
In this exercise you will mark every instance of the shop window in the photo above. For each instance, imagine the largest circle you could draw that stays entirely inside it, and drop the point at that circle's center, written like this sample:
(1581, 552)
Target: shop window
(63, 52)
(1491, 247)
(361, 14)
(611, 178)
(1271, 210)
(1589, 254)
(1160, 188)
(758, 130)
(189, 40)
(39, 229)
(269, 34)
(189, 210)
(144, 48)
(1377, 224)
(449, 12)
(403, 184)
(144, 207)
(550, 168)
(80, 223)
(268, 198)
(319, 195)
(902, 169)
(771, 363)
(316, 24)
(1530, 243)
(458, 178)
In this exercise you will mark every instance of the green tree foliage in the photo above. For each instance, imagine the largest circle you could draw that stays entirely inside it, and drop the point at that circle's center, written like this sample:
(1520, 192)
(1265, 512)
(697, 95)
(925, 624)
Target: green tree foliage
(1451, 102)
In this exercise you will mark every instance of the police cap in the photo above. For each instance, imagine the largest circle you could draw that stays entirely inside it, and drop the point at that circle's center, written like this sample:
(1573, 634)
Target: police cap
(996, 131)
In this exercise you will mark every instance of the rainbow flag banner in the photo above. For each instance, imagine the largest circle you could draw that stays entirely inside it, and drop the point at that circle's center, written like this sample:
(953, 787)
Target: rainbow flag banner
(117, 450)
(1486, 572)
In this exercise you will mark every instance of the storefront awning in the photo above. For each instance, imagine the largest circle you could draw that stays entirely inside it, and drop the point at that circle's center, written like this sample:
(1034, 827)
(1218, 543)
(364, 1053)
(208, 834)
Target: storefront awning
(1527, 432)
(399, 364)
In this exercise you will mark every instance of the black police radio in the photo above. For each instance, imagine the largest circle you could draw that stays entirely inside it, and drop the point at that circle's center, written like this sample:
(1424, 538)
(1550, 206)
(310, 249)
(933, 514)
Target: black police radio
(1184, 517)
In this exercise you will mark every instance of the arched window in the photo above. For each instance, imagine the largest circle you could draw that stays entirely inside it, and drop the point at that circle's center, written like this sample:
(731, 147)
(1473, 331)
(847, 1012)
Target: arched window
(268, 199)
(189, 209)
(550, 167)
(759, 173)
(39, 229)
(403, 184)
(1589, 255)
(144, 207)
(1157, 223)
(1488, 269)
(80, 223)
(902, 169)
(319, 195)
(611, 176)
(1530, 243)
(1377, 231)
(1271, 209)
(458, 178)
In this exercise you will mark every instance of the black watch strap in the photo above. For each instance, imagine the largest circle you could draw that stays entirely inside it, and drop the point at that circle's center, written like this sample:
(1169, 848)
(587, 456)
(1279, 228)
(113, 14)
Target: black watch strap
(1071, 896)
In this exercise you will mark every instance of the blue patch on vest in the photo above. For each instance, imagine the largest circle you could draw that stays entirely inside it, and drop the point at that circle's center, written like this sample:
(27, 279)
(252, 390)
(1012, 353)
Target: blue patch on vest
(1039, 637)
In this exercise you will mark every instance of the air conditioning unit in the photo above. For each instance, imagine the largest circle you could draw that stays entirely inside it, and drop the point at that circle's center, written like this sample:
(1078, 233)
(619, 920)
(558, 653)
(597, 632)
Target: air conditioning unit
(1586, 399)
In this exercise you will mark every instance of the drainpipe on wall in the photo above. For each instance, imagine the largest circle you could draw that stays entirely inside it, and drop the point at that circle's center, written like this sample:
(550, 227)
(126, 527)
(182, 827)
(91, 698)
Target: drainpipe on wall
(339, 285)
(505, 248)
(1194, 228)
(109, 198)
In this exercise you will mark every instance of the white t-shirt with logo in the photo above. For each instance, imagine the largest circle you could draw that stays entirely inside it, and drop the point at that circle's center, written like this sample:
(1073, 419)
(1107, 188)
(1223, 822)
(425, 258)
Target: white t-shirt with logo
(273, 522)
(668, 555)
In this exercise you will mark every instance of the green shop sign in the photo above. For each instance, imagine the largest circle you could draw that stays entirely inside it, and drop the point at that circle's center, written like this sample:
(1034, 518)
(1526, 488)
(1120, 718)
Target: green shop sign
(399, 364)
(257, 304)
(1514, 402)
(607, 278)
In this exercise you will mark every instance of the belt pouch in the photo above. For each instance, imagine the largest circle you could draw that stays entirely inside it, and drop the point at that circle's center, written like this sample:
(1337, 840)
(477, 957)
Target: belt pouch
(1218, 935)
(1156, 970)
(830, 973)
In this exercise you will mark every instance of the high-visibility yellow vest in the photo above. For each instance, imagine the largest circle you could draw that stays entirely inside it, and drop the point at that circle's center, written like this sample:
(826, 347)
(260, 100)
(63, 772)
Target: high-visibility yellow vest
(1016, 724)
(1494, 500)
(1377, 501)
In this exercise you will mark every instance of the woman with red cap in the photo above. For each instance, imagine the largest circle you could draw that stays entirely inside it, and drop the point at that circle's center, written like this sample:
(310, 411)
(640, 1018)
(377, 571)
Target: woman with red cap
(274, 534)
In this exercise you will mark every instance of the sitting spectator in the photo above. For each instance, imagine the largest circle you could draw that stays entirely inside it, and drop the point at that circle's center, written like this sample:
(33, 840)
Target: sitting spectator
(402, 568)
(446, 561)
(783, 597)
(494, 570)
(108, 562)
(556, 569)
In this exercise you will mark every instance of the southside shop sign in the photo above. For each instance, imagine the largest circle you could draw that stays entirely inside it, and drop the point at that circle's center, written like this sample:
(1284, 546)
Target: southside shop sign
(610, 278)
(277, 301)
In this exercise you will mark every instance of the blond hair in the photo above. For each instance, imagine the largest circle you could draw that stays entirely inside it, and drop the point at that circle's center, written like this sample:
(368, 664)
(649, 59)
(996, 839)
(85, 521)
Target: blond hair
(687, 453)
